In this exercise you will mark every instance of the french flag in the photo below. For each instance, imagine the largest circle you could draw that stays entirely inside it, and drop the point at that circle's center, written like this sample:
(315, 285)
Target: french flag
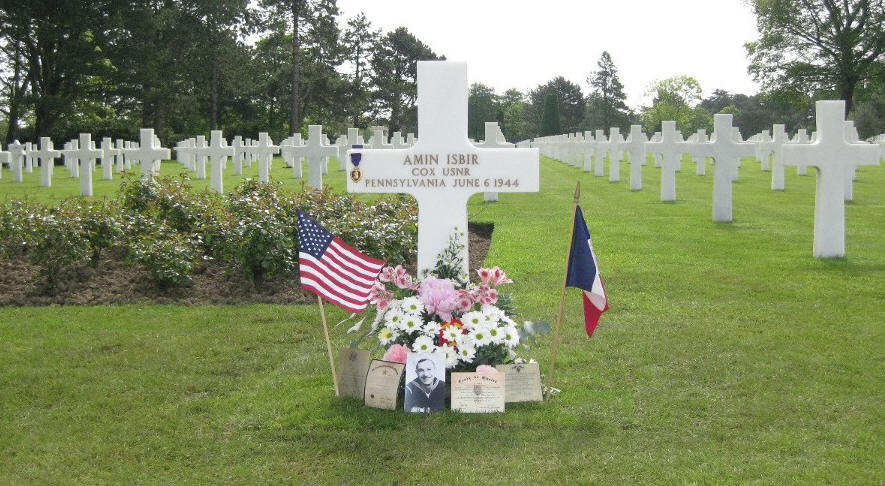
(583, 273)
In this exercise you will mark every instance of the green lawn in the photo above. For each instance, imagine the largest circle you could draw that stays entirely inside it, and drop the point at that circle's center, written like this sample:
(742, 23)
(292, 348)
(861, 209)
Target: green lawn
(730, 355)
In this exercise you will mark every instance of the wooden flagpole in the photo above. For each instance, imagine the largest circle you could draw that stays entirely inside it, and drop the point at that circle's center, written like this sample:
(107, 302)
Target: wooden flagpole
(328, 345)
(562, 295)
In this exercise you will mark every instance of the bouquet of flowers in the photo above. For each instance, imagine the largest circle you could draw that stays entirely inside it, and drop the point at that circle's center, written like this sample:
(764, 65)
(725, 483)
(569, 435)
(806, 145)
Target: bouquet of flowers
(461, 320)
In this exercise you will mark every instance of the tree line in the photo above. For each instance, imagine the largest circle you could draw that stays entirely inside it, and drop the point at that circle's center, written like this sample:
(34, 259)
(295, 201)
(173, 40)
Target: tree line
(188, 66)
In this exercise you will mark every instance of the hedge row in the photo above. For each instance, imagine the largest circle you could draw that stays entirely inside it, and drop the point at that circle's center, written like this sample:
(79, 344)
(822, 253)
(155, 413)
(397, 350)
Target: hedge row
(167, 228)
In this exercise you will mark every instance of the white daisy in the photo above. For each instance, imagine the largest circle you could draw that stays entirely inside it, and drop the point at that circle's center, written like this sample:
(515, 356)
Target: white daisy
(394, 318)
(496, 334)
(451, 356)
(452, 333)
(423, 344)
(481, 336)
(412, 305)
(410, 323)
(472, 319)
(387, 335)
(464, 340)
(431, 329)
(511, 336)
(466, 353)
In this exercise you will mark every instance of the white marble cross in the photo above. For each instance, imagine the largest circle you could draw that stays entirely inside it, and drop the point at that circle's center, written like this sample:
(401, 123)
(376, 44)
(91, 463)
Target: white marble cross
(700, 160)
(47, 158)
(316, 153)
(726, 153)
(397, 141)
(147, 153)
(341, 143)
(830, 154)
(443, 169)
(239, 154)
(601, 149)
(493, 139)
(201, 149)
(379, 140)
(616, 145)
(108, 154)
(118, 159)
(670, 148)
(70, 160)
(764, 148)
(292, 153)
(30, 157)
(218, 153)
(86, 155)
(778, 139)
(636, 151)
(16, 159)
(4, 159)
(586, 150)
(801, 138)
(264, 150)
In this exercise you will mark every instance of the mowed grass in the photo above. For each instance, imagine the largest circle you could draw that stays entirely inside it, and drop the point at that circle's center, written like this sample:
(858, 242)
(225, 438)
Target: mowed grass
(729, 355)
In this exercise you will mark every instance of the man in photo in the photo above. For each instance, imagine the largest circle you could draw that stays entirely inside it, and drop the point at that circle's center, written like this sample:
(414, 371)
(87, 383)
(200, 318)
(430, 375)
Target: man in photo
(426, 392)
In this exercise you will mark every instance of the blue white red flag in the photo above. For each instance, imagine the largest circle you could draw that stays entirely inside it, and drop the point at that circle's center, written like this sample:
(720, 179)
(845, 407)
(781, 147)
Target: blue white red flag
(583, 273)
(333, 269)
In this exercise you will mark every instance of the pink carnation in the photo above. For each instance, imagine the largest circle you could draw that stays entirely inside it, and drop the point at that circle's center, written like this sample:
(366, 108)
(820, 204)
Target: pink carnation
(466, 300)
(486, 295)
(439, 296)
(387, 274)
(486, 370)
(396, 354)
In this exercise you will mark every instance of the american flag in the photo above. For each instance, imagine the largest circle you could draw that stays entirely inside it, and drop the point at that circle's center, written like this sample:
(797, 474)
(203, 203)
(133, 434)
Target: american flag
(333, 269)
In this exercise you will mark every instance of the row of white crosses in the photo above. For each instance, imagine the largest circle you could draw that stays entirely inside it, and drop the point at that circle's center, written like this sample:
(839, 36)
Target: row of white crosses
(834, 150)
(80, 157)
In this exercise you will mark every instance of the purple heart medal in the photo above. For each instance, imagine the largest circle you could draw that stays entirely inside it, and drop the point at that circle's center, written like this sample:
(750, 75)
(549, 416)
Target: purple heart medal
(355, 158)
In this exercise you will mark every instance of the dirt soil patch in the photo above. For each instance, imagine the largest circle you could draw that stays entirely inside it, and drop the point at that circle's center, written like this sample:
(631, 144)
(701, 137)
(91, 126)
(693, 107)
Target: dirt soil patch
(114, 282)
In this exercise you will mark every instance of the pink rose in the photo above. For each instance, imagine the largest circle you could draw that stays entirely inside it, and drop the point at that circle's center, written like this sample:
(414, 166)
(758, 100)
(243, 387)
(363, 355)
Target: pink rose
(396, 354)
(382, 305)
(439, 296)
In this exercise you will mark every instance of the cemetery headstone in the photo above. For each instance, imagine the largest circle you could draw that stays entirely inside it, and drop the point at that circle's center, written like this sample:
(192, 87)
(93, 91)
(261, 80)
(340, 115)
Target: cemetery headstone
(16, 160)
(636, 151)
(830, 154)
(86, 155)
(47, 156)
(493, 139)
(726, 153)
(218, 153)
(670, 148)
(442, 170)
(264, 150)
(778, 139)
(147, 153)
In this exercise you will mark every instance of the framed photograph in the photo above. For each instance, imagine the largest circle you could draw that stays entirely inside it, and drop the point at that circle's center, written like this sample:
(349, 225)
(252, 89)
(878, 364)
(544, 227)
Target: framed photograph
(425, 382)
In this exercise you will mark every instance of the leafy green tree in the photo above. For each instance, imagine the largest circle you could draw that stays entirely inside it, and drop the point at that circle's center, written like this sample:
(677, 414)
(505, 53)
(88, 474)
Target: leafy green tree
(517, 122)
(550, 119)
(395, 79)
(678, 99)
(482, 106)
(818, 45)
(314, 48)
(570, 99)
(606, 104)
(57, 40)
(359, 41)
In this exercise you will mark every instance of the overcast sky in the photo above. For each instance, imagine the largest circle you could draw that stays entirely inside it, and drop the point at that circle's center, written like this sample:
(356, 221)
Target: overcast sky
(511, 44)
